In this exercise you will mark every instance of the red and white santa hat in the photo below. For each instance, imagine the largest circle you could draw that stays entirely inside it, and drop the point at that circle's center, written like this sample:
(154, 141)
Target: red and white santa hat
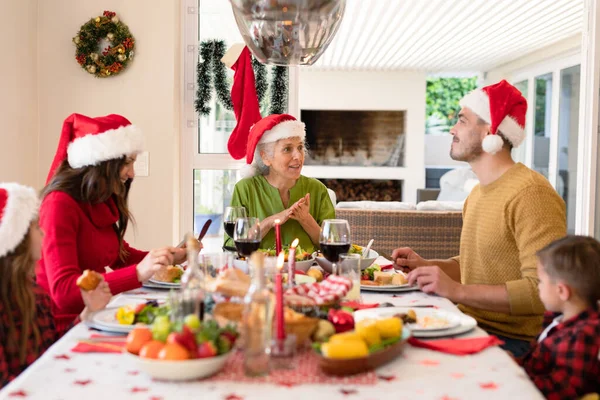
(251, 129)
(503, 107)
(18, 207)
(88, 141)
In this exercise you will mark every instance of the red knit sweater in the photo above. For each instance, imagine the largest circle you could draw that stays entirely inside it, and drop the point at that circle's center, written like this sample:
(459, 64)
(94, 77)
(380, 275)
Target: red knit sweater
(80, 236)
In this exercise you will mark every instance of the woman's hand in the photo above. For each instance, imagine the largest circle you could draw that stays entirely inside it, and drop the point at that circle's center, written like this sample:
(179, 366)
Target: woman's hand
(300, 210)
(155, 260)
(96, 299)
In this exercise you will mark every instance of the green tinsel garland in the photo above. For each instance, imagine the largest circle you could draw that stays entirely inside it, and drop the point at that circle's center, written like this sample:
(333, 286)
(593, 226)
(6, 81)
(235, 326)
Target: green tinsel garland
(279, 88)
(211, 70)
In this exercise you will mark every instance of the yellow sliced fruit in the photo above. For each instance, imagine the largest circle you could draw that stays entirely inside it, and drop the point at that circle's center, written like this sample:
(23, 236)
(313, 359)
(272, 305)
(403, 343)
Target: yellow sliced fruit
(345, 349)
(389, 327)
(125, 315)
(346, 336)
(367, 329)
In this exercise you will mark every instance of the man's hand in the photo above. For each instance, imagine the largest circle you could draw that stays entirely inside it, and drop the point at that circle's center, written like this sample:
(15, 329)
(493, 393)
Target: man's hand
(434, 280)
(407, 259)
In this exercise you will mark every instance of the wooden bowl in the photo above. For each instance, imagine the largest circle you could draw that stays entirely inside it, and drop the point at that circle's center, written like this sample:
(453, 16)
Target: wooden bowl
(352, 366)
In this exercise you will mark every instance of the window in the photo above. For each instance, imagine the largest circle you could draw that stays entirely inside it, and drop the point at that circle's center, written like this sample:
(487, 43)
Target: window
(208, 172)
(552, 90)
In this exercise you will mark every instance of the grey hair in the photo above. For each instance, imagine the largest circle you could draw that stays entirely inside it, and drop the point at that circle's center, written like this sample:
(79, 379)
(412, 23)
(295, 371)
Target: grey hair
(269, 150)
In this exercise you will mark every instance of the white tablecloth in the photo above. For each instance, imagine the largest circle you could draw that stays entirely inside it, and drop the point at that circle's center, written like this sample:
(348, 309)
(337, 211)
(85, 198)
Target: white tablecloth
(419, 374)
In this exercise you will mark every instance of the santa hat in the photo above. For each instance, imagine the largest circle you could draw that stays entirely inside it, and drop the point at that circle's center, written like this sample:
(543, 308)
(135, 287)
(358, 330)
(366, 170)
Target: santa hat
(18, 207)
(88, 141)
(503, 107)
(252, 130)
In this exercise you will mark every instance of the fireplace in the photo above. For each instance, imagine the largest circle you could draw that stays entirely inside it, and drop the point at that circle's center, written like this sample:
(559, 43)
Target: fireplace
(365, 189)
(354, 138)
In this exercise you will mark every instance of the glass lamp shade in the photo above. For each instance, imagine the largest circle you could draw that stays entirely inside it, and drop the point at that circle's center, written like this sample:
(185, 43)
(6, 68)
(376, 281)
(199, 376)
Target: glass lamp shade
(288, 32)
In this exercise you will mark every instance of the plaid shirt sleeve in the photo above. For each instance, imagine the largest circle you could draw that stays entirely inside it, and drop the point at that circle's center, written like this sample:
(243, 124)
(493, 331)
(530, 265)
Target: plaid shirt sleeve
(565, 365)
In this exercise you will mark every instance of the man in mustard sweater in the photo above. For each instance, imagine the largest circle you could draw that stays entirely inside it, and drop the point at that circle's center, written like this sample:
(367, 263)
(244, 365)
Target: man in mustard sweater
(507, 218)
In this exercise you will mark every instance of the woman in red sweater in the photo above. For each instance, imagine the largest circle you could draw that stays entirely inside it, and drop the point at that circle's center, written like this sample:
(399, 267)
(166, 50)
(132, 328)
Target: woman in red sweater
(84, 213)
(26, 324)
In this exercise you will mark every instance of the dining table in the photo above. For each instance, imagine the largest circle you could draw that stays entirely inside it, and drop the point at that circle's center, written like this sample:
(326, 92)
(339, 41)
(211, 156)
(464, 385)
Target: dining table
(418, 373)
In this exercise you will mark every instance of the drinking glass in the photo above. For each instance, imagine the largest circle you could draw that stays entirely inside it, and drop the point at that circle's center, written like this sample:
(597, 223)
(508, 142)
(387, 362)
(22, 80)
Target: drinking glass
(246, 235)
(334, 239)
(350, 268)
(230, 215)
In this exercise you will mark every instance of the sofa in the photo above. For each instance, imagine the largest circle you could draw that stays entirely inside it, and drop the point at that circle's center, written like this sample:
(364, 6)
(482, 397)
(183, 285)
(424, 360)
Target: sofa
(432, 234)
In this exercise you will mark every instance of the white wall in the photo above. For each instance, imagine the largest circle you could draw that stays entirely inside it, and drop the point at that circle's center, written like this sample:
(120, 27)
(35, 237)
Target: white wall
(18, 93)
(375, 90)
(147, 93)
(437, 152)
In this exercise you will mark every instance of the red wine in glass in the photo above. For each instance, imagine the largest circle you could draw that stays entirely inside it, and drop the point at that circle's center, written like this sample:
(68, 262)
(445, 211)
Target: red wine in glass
(229, 228)
(247, 246)
(332, 251)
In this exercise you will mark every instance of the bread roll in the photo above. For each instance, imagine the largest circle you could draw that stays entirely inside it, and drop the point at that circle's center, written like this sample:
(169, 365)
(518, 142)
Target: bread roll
(89, 280)
(383, 278)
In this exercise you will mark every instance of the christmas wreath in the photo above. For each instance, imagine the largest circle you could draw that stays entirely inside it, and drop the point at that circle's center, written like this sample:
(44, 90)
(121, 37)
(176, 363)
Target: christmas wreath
(113, 58)
(212, 73)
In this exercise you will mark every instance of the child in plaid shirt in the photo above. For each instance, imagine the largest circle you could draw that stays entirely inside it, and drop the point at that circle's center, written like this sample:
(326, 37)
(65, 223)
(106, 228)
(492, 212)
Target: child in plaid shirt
(26, 324)
(564, 363)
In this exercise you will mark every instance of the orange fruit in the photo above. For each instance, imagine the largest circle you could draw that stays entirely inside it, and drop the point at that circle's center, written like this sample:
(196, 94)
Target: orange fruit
(137, 338)
(151, 349)
(173, 351)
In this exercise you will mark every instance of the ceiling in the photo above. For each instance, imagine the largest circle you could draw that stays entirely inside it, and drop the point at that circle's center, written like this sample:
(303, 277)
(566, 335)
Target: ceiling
(432, 35)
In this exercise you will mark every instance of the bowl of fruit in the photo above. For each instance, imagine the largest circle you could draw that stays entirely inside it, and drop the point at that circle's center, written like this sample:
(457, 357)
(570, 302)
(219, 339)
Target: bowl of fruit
(181, 351)
(365, 260)
(370, 345)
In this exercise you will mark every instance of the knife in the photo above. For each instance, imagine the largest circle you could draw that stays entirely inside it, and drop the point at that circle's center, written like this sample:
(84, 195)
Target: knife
(202, 233)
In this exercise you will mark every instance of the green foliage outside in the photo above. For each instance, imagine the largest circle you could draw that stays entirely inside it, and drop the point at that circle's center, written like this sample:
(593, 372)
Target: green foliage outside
(442, 98)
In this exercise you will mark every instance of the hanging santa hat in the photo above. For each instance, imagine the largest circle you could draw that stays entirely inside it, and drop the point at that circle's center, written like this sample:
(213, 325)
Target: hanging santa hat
(503, 107)
(88, 141)
(18, 207)
(251, 130)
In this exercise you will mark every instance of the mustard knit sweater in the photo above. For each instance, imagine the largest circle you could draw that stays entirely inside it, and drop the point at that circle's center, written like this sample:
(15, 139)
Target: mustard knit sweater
(504, 224)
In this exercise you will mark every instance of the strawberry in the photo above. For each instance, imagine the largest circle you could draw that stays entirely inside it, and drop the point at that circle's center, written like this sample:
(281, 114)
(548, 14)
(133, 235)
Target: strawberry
(206, 350)
(186, 339)
(224, 344)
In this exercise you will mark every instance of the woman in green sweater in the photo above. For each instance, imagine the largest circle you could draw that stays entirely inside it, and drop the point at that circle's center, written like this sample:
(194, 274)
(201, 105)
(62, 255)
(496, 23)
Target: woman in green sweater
(273, 187)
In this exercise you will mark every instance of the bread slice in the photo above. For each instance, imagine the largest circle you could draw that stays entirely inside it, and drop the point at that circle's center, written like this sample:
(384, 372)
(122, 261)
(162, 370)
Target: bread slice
(383, 278)
(399, 279)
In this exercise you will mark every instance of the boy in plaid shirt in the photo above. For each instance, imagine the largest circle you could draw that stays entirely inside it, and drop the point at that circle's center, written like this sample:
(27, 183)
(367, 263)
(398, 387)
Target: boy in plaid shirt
(564, 363)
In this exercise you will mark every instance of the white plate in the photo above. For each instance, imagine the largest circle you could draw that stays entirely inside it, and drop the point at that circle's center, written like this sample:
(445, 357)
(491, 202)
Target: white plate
(438, 320)
(165, 284)
(389, 288)
(181, 370)
(107, 321)
(465, 323)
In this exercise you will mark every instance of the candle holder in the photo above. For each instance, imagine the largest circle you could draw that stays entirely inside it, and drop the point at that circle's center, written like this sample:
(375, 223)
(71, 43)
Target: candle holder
(283, 352)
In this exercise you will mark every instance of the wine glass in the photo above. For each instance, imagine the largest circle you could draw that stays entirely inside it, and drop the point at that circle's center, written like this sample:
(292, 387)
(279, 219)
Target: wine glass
(334, 240)
(230, 215)
(246, 235)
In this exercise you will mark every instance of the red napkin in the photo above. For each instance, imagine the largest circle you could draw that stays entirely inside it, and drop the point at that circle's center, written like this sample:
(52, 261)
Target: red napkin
(99, 346)
(458, 347)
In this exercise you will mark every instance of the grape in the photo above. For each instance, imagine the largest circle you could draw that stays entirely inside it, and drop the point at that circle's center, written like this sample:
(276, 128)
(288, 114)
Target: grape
(160, 330)
(192, 321)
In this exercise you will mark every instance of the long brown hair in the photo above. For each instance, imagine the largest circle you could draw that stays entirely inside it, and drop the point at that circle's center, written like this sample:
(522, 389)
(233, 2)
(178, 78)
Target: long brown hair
(96, 184)
(16, 292)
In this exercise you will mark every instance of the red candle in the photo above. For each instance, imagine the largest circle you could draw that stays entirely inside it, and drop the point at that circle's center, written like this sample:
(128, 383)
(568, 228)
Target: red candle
(279, 318)
(292, 263)
(277, 236)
